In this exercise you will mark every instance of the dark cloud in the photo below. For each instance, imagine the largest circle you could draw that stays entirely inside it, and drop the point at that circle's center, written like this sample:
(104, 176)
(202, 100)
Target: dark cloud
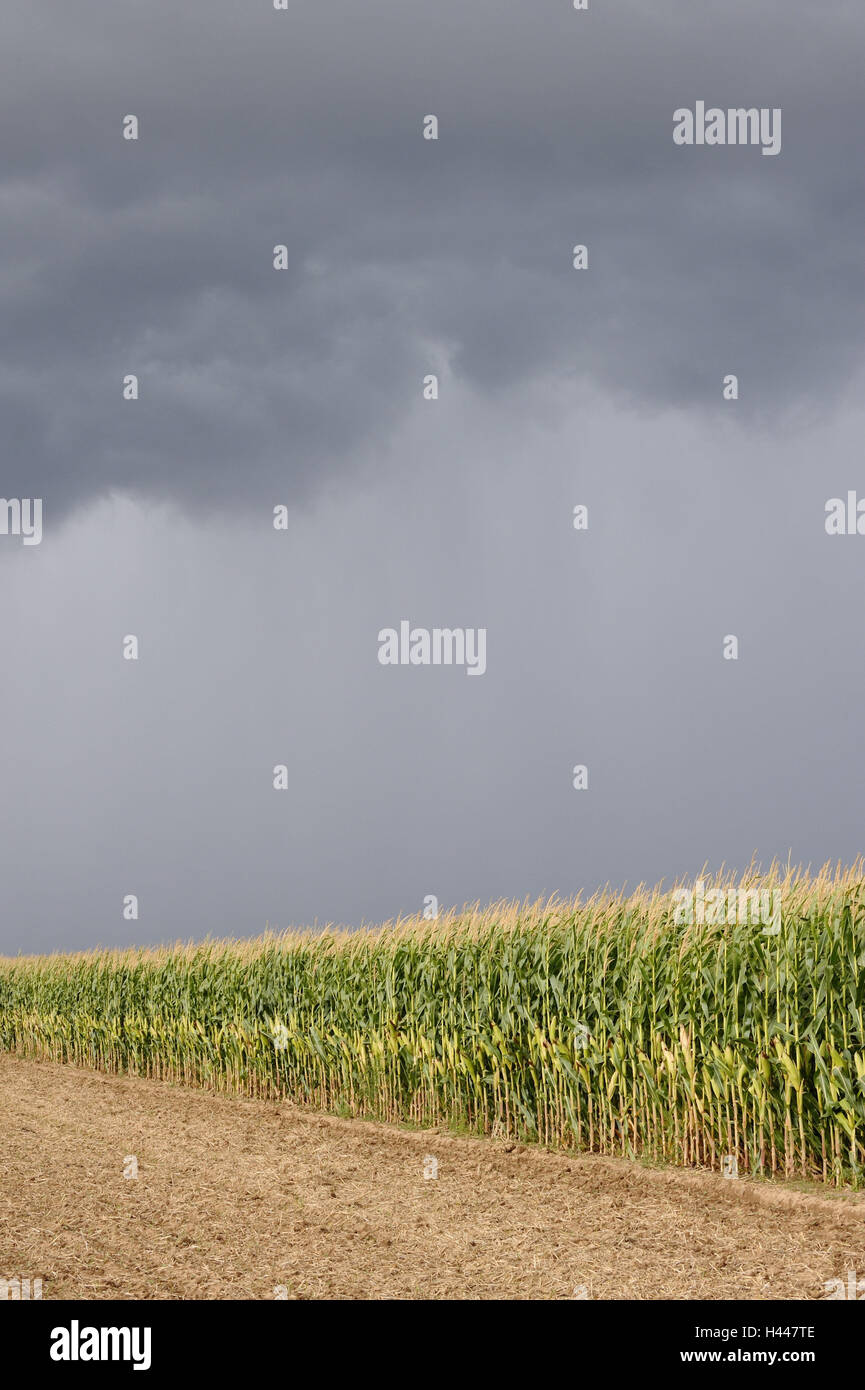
(303, 128)
(601, 387)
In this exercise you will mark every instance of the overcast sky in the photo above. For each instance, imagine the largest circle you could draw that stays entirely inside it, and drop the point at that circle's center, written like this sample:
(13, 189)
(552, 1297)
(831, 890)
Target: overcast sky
(304, 387)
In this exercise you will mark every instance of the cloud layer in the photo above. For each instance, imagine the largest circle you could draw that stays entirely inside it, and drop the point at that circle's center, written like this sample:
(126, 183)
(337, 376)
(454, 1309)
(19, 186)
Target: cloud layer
(303, 128)
(558, 387)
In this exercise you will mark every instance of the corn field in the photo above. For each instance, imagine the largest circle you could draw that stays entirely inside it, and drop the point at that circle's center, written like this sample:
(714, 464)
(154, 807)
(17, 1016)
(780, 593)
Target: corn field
(611, 1026)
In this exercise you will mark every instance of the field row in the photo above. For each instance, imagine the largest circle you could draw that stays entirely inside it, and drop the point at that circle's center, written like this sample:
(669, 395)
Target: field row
(618, 1026)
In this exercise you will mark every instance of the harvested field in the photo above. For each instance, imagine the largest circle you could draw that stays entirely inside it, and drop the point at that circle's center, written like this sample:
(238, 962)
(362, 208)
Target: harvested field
(236, 1197)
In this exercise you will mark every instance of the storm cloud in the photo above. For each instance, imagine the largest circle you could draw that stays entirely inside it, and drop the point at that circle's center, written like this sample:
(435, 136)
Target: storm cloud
(558, 387)
(405, 256)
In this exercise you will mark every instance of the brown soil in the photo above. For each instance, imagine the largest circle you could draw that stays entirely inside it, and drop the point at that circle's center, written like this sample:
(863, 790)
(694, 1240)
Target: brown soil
(236, 1198)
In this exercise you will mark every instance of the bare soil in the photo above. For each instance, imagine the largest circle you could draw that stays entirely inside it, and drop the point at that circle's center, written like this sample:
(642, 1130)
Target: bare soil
(247, 1199)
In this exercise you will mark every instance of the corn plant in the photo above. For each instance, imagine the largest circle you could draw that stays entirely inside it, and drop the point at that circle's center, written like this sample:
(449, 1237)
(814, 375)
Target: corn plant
(612, 1026)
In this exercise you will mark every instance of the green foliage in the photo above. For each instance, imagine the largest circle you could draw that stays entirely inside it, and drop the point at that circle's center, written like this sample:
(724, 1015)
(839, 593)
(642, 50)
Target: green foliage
(607, 1026)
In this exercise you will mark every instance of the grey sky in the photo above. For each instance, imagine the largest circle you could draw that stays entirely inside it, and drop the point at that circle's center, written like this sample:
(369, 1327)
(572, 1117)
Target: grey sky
(303, 387)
